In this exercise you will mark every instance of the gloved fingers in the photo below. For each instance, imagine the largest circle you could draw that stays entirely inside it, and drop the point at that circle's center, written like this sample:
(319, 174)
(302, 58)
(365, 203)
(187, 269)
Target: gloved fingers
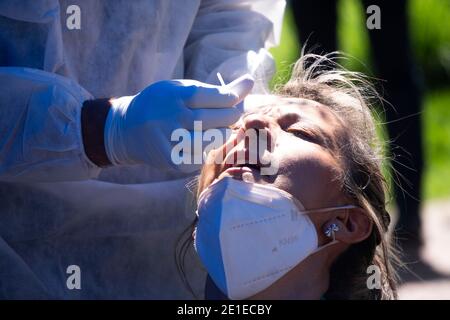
(241, 86)
(210, 96)
(216, 118)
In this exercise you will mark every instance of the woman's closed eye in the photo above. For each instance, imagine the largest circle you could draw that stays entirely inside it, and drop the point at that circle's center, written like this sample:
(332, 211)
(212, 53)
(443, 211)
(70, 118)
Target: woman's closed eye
(304, 133)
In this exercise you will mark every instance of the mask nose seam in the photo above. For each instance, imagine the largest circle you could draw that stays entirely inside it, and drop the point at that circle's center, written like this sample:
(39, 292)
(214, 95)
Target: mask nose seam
(254, 222)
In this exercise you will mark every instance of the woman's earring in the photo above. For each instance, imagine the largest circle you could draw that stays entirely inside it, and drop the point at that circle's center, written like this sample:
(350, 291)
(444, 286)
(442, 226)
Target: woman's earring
(331, 230)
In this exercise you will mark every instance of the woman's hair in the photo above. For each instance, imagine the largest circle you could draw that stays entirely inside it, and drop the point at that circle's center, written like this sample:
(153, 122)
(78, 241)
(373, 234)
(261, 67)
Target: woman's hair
(349, 96)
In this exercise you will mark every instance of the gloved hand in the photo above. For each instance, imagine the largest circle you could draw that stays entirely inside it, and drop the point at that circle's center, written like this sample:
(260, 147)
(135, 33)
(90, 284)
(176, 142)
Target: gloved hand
(138, 128)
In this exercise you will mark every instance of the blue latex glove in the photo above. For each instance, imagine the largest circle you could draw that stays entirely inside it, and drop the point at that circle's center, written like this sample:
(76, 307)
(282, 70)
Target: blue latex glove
(138, 128)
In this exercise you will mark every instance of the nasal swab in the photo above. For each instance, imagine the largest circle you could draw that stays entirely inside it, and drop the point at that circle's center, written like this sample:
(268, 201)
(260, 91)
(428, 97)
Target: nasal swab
(220, 79)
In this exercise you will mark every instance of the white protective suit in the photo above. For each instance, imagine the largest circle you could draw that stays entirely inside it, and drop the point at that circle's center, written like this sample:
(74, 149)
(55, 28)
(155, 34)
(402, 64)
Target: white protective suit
(118, 225)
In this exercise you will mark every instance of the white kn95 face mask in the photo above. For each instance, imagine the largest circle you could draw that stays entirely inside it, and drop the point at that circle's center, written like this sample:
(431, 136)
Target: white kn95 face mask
(249, 235)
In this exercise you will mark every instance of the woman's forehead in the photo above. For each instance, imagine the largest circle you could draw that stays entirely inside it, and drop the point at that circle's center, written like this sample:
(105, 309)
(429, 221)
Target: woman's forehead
(307, 108)
(256, 101)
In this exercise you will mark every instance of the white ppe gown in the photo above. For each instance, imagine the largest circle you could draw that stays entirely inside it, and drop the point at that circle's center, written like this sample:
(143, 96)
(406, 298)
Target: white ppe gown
(118, 225)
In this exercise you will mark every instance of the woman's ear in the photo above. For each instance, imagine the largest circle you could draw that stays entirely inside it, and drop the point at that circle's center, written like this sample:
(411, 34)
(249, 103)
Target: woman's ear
(354, 226)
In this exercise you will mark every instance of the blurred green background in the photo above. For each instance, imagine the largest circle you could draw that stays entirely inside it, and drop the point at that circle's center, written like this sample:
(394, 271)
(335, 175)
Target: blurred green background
(430, 34)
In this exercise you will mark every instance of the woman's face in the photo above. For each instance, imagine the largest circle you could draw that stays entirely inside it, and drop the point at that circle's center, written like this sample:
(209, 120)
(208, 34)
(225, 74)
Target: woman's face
(305, 138)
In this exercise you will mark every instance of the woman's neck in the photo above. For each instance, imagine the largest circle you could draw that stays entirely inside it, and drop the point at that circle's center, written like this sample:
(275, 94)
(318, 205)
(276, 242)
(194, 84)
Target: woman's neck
(309, 280)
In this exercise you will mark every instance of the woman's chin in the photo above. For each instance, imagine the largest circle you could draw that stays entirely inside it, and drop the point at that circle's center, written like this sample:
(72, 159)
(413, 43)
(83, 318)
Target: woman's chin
(243, 173)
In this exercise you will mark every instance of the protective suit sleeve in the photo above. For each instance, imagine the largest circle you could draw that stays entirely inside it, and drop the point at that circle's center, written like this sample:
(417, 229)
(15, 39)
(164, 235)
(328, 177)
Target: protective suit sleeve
(40, 135)
(232, 37)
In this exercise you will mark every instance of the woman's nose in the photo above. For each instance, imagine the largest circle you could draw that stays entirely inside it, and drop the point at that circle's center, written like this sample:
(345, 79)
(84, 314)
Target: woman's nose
(256, 121)
(264, 127)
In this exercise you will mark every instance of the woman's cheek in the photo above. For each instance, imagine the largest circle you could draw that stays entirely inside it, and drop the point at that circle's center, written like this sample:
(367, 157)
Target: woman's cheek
(210, 170)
